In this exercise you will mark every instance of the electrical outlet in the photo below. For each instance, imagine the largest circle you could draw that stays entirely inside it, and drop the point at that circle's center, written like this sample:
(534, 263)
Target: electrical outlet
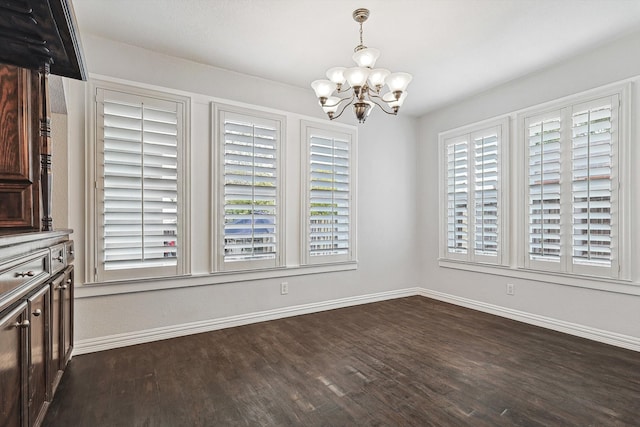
(284, 288)
(510, 289)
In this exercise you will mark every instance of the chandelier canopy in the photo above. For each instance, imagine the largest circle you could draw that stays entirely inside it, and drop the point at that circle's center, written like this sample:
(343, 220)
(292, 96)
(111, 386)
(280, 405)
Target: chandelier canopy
(365, 83)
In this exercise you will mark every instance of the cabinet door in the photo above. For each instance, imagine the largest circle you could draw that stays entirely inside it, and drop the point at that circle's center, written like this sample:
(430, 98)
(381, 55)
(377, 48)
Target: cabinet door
(67, 316)
(56, 355)
(39, 315)
(13, 363)
(19, 154)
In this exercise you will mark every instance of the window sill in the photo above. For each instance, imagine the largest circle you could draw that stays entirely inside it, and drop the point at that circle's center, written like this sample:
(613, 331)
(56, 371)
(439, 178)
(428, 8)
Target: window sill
(95, 289)
(581, 281)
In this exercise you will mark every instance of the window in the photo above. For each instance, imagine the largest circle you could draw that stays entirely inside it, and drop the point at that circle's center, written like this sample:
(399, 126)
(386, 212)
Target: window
(472, 187)
(572, 192)
(249, 189)
(329, 211)
(140, 146)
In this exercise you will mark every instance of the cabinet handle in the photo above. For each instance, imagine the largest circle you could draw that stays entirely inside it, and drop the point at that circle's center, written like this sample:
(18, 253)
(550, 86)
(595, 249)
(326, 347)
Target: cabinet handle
(24, 324)
(59, 259)
(38, 312)
(68, 281)
(25, 273)
(63, 287)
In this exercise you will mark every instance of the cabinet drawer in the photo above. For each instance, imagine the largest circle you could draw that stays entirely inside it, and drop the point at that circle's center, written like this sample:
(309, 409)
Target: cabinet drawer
(58, 258)
(16, 276)
(70, 251)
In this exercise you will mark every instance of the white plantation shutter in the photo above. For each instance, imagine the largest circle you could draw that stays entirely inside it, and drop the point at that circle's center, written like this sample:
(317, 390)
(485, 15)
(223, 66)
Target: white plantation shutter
(544, 188)
(329, 199)
(458, 196)
(328, 228)
(139, 140)
(250, 189)
(573, 188)
(592, 164)
(485, 159)
(472, 164)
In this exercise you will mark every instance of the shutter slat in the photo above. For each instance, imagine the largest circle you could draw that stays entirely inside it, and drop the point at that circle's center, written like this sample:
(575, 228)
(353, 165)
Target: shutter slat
(140, 183)
(329, 195)
(250, 191)
(591, 186)
(544, 189)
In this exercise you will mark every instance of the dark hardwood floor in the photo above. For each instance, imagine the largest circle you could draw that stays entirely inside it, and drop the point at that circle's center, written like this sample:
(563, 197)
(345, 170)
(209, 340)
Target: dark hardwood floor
(411, 361)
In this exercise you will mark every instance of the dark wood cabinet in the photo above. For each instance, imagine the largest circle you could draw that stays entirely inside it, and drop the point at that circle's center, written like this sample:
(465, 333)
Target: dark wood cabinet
(13, 352)
(61, 324)
(36, 323)
(67, 316)
(39, 350)
(55, 365)
(19, 150)
(37, 37)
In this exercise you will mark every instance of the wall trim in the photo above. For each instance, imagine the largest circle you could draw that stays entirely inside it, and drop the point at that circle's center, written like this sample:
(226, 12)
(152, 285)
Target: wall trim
(619, 340)
(156, 334)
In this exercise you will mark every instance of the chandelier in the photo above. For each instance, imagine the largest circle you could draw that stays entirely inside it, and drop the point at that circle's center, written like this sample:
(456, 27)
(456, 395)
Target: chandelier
(365, 83)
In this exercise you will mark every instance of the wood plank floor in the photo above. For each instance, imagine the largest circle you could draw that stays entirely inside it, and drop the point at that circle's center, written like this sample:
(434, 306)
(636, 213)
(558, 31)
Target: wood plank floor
(406, 362)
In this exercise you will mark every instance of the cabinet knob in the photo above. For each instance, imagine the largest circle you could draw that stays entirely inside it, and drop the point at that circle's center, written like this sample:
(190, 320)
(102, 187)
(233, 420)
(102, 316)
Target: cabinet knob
(59, 258)
(25, 273)
(38, 312)
(63, 287)
(24, 324)
(68, 281)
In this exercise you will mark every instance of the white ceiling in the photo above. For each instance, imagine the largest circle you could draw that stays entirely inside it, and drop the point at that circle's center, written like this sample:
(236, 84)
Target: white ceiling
(453, 48)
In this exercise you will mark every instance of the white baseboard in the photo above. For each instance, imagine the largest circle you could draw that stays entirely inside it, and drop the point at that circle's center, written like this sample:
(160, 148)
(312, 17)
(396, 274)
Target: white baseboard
(612, 338)
(139, 337)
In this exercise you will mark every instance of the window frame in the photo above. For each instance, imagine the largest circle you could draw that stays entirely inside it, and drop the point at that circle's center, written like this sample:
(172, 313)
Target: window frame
(620, 179)
(95, 185)
(219, 112)
(468, 134)
(331, 131)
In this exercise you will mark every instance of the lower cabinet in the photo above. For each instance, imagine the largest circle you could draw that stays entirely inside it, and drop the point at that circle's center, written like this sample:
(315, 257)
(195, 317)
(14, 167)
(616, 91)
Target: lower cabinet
(39, 348)
(61, 325)
(13, 355)
(36, 341)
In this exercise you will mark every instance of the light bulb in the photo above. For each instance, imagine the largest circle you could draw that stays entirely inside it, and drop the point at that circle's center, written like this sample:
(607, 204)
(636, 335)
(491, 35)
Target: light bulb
(366, 57)
(398, 81)
(377, 77)
(336, 75)
(357, 76)
(323, 88)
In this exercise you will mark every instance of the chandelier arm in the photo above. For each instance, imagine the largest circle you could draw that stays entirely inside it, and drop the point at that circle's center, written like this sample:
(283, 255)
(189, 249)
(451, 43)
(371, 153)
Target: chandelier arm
(344, 89)
(373, 94)
(344, 107)
(339, 102)
(392, 113)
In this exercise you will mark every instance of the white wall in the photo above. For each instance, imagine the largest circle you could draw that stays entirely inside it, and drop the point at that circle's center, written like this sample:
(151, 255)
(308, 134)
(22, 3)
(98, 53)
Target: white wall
(617, 313)
(387, 248)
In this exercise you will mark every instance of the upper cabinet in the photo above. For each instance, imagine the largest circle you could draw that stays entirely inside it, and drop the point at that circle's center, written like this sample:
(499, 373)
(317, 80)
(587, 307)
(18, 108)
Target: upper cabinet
(19, 149)
(33, 32)
(37, 37)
